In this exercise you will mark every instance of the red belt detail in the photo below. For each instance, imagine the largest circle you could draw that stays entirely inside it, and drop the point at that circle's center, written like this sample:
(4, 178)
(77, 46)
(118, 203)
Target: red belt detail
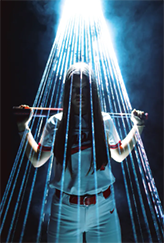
(85, 200)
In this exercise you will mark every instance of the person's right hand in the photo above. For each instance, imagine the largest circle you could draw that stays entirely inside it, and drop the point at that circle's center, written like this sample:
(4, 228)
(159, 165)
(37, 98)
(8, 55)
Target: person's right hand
(23, 120)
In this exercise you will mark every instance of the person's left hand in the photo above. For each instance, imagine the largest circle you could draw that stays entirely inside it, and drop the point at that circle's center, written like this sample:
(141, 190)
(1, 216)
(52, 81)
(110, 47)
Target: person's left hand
(138, 117)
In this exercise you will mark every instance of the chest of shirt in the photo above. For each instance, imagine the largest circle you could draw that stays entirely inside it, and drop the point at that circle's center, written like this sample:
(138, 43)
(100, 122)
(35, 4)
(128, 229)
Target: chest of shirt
(81, 139)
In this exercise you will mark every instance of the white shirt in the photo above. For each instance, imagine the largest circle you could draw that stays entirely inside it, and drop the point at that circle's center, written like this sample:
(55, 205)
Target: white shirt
(91, 183)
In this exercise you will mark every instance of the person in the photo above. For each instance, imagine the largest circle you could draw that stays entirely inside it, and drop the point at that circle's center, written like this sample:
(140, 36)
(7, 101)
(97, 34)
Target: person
(98, 215)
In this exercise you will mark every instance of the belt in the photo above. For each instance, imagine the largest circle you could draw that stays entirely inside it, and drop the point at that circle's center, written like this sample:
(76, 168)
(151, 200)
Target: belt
(85, 200)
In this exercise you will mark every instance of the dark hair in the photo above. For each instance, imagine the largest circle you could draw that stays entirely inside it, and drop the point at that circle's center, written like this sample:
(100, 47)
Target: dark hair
(100, 143)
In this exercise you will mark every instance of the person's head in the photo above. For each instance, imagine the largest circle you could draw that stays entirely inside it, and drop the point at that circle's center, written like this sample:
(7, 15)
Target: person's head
(80, 75)
(80, 94)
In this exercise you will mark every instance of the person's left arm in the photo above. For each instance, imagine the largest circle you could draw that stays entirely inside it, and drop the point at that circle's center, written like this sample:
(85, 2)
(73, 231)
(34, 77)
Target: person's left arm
(128, 143)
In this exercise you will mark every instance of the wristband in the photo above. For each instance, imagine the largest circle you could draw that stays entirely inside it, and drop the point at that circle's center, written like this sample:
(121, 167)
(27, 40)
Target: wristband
(27, 130)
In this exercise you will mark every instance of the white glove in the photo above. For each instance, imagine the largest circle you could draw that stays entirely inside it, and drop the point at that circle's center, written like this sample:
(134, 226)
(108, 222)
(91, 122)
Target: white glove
(22, 121)
(138, 117)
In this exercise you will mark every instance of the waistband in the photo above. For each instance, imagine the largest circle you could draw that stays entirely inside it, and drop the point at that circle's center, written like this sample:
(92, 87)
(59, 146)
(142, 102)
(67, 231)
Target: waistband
(85, 200)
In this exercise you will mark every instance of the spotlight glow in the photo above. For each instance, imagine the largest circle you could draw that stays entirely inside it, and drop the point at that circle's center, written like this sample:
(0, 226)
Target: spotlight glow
(82, 8)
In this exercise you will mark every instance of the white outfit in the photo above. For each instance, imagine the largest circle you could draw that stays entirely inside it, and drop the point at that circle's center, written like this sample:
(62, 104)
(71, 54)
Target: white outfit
(70, 226)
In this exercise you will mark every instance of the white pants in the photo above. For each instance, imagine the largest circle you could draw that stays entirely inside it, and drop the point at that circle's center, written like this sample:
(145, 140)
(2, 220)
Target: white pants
(99, 221)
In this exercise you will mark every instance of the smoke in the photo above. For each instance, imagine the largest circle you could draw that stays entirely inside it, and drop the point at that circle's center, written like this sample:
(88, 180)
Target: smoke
(137, 33)
(45, 10)
(136, 29)
(47, 15)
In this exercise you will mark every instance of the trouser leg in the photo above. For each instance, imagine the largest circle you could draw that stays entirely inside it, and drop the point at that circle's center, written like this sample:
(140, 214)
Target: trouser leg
(65, 227)
(108, 231)
(103, 222)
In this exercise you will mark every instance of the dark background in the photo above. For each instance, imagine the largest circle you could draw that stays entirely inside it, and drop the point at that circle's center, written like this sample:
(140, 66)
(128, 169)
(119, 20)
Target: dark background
(28, 29)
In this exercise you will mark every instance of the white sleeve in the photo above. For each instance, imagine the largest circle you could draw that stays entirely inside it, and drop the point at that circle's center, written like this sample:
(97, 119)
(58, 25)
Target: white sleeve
(47, 138)
(112, 134)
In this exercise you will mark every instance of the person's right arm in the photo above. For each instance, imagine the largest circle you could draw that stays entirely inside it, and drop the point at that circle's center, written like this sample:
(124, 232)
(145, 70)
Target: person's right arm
(36, 157)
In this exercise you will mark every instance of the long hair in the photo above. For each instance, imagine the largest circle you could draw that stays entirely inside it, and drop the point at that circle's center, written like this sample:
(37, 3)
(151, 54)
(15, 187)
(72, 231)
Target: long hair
(100, 143)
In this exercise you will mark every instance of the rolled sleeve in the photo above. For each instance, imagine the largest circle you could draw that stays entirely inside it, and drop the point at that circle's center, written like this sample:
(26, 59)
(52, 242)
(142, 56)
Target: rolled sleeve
(114, 140)
(47, 138)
